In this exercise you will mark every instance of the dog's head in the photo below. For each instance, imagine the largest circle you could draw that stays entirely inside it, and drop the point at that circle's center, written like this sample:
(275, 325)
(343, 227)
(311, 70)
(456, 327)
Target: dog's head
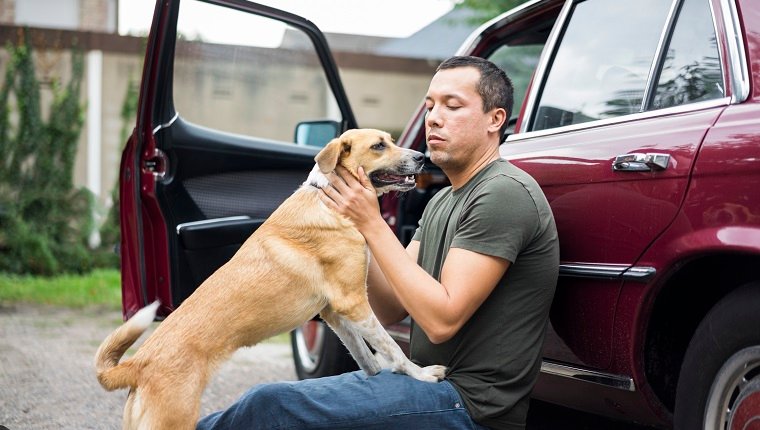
(388, 166)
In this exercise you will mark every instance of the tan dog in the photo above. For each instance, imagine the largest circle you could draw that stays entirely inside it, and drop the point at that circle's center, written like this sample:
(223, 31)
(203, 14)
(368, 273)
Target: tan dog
(305, 259)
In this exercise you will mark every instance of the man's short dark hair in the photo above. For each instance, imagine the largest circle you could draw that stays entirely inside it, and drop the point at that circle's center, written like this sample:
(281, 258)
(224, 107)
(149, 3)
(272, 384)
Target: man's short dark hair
(495, 87)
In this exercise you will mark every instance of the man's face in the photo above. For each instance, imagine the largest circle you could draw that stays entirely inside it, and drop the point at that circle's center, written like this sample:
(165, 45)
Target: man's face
(456, 127)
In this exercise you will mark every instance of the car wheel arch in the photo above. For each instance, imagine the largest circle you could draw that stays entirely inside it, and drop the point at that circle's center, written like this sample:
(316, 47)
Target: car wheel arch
(666, 338)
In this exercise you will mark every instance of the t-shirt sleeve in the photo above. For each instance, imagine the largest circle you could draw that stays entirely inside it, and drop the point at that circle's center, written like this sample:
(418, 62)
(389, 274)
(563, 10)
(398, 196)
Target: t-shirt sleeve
(500, 219)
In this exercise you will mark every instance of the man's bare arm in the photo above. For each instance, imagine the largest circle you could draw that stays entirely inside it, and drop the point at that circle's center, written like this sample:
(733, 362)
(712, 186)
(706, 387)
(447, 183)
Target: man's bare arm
(383, 300)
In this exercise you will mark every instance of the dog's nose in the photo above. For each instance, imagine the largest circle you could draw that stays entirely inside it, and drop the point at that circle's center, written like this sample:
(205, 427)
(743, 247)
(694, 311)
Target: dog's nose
(418, 157)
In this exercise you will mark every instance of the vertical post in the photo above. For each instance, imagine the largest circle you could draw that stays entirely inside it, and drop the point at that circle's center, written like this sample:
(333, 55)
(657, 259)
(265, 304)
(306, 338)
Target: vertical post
(94, 132)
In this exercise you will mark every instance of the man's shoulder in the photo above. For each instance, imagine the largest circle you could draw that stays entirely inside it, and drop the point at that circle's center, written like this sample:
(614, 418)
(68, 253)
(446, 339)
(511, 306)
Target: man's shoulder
(506, 169)
(505, 182)
(504, 177)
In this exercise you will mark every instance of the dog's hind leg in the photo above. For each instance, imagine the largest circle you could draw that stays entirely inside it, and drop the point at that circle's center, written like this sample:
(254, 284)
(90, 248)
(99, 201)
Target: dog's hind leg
(353, 341)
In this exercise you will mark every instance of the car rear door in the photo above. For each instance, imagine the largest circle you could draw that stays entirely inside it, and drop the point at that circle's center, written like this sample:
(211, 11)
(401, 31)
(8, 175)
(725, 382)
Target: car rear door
(225, 85)
(611, 131)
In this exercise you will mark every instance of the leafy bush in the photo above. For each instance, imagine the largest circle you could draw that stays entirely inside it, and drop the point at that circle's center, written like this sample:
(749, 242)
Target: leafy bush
(45, 222)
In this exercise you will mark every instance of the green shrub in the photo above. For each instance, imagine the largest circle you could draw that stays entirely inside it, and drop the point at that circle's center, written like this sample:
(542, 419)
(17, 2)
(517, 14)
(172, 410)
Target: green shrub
(45, 222)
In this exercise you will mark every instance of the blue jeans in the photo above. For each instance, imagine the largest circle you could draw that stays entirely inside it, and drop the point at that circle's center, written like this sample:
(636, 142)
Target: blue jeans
(353, 400)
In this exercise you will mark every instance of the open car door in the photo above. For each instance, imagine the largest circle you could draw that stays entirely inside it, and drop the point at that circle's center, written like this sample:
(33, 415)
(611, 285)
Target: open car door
(236, 100)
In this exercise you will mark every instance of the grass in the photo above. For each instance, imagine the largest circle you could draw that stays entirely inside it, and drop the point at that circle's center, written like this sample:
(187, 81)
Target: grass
(98, 288)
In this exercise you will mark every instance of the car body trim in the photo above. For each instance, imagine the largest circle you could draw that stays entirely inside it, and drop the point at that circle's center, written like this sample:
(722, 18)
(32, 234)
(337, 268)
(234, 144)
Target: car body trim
(621, 382)
(675, 110)
(166, 124)
(499, 21)
(185, 225)
(607, 271)
(639, 273)
(543, 64)
(652, 76)
(737, 57)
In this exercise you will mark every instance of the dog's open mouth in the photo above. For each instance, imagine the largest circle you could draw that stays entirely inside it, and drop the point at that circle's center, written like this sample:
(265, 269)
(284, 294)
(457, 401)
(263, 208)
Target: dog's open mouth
(390, 179)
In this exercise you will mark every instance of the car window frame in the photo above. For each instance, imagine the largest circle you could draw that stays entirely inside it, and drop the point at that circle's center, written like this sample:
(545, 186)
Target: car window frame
(730, 50)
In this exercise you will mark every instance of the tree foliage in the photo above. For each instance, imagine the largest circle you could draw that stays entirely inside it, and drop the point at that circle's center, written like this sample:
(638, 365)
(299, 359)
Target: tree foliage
(45, 221)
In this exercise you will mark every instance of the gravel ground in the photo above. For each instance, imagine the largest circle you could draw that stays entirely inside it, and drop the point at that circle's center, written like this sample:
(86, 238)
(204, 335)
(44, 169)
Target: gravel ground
(47, 378)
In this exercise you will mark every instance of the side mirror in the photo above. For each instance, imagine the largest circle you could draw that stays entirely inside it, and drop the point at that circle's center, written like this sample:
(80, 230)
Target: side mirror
(316, 133)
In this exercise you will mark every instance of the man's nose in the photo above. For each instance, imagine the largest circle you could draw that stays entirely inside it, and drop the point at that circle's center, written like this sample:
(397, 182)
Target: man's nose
(432, 118)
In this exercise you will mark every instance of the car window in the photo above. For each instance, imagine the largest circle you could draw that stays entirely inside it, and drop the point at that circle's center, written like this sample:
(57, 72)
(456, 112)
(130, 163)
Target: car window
(519, 61)
(601, 66)
(246, 74)
(691, 71)
(593, 77)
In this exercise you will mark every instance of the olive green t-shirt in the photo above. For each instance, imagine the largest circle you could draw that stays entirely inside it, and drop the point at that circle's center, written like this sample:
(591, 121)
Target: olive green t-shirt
(495, 357)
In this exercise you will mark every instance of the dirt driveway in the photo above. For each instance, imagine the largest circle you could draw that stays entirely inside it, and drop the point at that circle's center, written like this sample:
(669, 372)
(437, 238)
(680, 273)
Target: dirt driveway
(47, 380)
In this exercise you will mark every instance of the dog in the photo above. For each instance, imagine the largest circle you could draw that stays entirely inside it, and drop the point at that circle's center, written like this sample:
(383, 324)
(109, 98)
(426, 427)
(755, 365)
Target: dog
(305, 260)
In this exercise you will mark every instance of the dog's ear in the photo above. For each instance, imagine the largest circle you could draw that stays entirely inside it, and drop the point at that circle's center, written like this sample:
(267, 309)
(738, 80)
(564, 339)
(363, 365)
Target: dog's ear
(328, 157)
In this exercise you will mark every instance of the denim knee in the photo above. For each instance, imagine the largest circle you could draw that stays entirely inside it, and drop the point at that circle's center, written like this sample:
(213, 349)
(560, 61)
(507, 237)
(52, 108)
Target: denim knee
(348, 401)
(261, 404)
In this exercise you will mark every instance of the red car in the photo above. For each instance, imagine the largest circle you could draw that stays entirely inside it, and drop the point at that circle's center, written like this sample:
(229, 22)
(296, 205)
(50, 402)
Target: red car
(640, 120)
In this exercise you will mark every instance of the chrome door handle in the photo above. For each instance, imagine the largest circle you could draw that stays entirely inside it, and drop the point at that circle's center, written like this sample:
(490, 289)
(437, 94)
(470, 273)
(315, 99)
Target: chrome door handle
(638, 162)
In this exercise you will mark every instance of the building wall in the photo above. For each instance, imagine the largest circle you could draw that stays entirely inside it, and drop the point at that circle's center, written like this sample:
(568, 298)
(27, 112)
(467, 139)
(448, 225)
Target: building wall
(88, 15)
(383, 91)
(98, 15)
(7, 11)
(384, 100)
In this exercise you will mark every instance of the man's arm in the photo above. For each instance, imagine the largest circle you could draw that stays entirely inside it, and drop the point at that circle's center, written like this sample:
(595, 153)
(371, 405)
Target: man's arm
(383, 300)
(439, 308)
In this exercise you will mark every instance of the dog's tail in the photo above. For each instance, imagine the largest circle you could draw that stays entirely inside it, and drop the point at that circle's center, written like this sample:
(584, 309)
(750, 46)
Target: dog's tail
(111, 374)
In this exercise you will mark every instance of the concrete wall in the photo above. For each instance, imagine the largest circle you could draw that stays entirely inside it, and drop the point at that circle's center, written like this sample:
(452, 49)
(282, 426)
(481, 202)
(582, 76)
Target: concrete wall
(92, 15)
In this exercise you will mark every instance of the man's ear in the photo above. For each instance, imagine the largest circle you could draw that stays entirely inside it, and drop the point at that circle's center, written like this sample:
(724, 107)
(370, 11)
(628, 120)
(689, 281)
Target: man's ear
(498, 116)
(328, 157)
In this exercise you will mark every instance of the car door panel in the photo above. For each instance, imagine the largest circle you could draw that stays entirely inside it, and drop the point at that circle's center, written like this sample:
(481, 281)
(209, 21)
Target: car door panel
(622, 213)
(220, 188)
(602, 106)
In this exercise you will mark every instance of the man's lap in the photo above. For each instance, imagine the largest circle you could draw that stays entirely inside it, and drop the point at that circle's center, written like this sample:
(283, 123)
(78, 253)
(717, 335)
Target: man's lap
(349, 401)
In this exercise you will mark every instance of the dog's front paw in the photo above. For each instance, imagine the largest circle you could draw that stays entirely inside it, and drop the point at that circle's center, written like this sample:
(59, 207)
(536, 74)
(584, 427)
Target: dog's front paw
(435, 373)
(426, 374)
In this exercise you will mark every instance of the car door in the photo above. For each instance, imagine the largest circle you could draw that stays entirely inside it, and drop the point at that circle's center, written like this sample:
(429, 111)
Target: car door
(611, 130)
(235, 101)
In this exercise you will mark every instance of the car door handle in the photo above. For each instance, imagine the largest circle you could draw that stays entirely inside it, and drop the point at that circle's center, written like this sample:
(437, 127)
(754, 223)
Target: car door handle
(638, 162)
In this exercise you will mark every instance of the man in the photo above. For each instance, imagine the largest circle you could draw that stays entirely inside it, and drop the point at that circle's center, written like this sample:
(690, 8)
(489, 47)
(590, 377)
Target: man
(477, 279)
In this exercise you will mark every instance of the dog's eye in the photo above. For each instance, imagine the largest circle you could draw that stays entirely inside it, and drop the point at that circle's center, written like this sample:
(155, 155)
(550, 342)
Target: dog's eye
(378, 146)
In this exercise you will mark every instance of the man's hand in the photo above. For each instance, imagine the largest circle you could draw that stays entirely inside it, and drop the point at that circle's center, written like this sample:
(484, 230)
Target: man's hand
(352, 198)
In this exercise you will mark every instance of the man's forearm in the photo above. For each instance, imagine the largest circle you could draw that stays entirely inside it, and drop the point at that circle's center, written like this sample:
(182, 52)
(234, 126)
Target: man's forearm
(410, 284)
(381, 296)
